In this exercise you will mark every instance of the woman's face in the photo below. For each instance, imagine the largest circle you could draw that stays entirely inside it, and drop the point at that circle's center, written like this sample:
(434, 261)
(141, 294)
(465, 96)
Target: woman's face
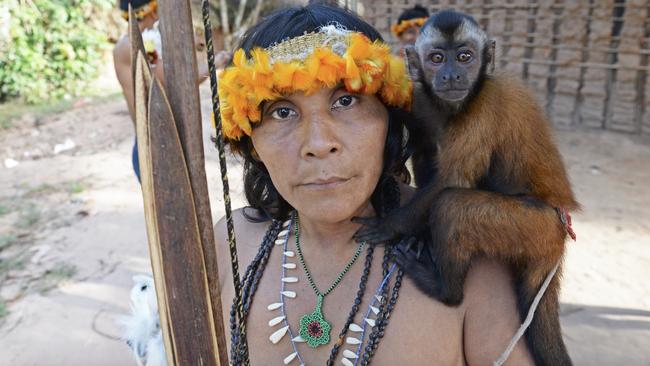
(324, 151)
(409, 36)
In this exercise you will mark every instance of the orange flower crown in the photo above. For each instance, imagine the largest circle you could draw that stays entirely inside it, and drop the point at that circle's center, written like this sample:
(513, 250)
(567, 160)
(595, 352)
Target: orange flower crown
(400, 28)
(308, 63)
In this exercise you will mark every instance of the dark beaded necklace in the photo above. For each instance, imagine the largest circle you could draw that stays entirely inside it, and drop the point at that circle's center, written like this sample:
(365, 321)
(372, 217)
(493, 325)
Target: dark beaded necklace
(314, 328)
(253, 274)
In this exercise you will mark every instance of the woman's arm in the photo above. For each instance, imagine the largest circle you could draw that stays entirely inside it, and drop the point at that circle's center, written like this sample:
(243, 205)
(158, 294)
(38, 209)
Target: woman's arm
(491, 315)
(248, 236)
(122, 64)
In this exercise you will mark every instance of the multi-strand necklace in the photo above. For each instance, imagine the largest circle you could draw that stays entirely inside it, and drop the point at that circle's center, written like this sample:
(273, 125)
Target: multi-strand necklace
(375, 318)
(314, 329)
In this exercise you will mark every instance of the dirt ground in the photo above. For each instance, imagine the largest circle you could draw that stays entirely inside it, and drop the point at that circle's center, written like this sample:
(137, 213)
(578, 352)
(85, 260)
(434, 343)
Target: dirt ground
(72, 236)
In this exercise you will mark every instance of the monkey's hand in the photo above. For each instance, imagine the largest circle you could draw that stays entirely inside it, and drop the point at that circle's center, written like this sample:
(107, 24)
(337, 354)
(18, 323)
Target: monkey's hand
(424, 268)
(419, 265)
(378, 230)
(413, 254)
(373, 230)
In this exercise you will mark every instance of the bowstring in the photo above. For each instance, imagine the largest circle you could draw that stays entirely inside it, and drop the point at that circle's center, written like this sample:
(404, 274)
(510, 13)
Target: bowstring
(219, 142)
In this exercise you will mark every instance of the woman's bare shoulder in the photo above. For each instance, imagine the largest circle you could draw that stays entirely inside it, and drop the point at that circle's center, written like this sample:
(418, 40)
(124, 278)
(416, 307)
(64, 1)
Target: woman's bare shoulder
(491, 314)
(248, 231)
(248, 236)
(122, 50)
(489, 283)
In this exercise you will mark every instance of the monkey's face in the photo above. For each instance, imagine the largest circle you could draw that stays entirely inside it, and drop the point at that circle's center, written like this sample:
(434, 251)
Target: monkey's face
(451, 68)
(451, 48)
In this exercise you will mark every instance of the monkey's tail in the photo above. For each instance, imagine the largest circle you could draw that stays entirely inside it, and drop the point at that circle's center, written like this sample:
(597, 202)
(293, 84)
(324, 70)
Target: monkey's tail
(544, 335)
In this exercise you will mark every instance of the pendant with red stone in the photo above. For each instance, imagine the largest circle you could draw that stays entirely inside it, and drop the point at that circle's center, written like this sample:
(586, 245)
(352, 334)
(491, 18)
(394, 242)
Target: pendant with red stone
(314, 329)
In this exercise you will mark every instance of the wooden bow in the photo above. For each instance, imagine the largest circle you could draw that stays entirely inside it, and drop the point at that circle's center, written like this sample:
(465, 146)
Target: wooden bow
(175, 193)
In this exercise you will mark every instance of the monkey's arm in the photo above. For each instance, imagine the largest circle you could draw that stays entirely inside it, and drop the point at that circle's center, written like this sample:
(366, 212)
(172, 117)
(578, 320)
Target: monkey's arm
(466, 223)
(425, 169)
(408, 219)
(450, 168)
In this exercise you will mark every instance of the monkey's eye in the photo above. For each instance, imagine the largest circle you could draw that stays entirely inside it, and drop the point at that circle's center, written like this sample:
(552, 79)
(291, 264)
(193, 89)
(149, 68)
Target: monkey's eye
(437, 58)
(464, 56)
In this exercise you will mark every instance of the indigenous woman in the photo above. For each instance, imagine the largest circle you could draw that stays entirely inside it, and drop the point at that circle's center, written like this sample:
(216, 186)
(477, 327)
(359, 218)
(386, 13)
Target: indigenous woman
(314, 103)
(408, 26)
(146, 14)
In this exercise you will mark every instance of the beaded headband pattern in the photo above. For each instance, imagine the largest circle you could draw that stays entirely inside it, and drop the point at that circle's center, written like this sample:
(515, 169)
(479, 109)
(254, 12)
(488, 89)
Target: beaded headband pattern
(307, 63)
(400, 28)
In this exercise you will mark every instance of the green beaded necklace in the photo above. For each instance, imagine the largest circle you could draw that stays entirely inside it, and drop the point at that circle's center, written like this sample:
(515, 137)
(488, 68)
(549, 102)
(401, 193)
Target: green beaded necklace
(314, 329)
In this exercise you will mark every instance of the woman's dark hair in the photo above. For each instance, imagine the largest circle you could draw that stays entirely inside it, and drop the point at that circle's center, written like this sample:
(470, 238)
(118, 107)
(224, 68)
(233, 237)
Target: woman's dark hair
(124, 4)
(292, 22)
(417, 11)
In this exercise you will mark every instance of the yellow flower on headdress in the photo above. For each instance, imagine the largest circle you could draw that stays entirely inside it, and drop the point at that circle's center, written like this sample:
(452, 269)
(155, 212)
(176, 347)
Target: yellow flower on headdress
(308, 63)
(303, 80)
(239, 58)
(325, 66)
(395, 84)
(400, 28)
(357, 50)
(373, 68)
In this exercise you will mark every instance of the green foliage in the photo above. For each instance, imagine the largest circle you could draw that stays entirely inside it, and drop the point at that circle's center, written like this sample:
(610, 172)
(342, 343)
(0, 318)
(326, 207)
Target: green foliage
(30, 215)
(4, 209)
(7, 240)
(52, 277)
(74, 187)
(52, 50)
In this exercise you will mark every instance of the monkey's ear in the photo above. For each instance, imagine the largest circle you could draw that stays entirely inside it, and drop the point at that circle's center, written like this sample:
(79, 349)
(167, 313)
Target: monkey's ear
(491, 54)
(413, 63)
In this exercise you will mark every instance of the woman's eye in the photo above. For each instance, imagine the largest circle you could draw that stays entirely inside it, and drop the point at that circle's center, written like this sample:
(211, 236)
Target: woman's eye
(283, 113)
(437, 58)
(344, 101)
(464, 56)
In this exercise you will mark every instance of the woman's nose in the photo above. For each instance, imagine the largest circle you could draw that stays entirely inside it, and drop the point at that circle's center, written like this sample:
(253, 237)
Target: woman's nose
(320, 137)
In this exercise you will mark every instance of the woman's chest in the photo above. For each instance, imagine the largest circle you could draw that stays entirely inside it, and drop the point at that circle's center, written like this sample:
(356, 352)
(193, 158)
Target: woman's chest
(419, 330)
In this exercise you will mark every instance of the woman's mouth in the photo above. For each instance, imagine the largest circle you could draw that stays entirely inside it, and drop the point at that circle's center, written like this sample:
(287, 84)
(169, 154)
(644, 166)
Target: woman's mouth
(325, 183)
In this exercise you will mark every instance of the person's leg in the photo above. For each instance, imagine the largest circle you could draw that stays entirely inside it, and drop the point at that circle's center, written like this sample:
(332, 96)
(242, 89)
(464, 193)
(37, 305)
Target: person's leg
(135, 160)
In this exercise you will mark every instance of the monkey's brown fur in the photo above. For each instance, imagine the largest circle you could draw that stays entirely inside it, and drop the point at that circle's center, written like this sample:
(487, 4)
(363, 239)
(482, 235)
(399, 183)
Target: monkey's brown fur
(504, 119)
(497, 181)
(500, 150)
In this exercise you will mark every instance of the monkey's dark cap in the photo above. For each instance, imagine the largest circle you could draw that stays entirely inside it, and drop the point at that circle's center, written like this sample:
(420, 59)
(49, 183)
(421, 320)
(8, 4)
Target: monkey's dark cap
(124, 4)
(449, 20)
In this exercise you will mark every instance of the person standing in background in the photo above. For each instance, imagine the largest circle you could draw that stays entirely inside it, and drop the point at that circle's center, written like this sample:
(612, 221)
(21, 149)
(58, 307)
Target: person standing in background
(146, 14)
(408, 26)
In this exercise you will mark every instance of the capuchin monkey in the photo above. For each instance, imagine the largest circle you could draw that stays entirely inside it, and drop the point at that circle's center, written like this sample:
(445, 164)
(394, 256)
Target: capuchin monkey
(491, 183)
